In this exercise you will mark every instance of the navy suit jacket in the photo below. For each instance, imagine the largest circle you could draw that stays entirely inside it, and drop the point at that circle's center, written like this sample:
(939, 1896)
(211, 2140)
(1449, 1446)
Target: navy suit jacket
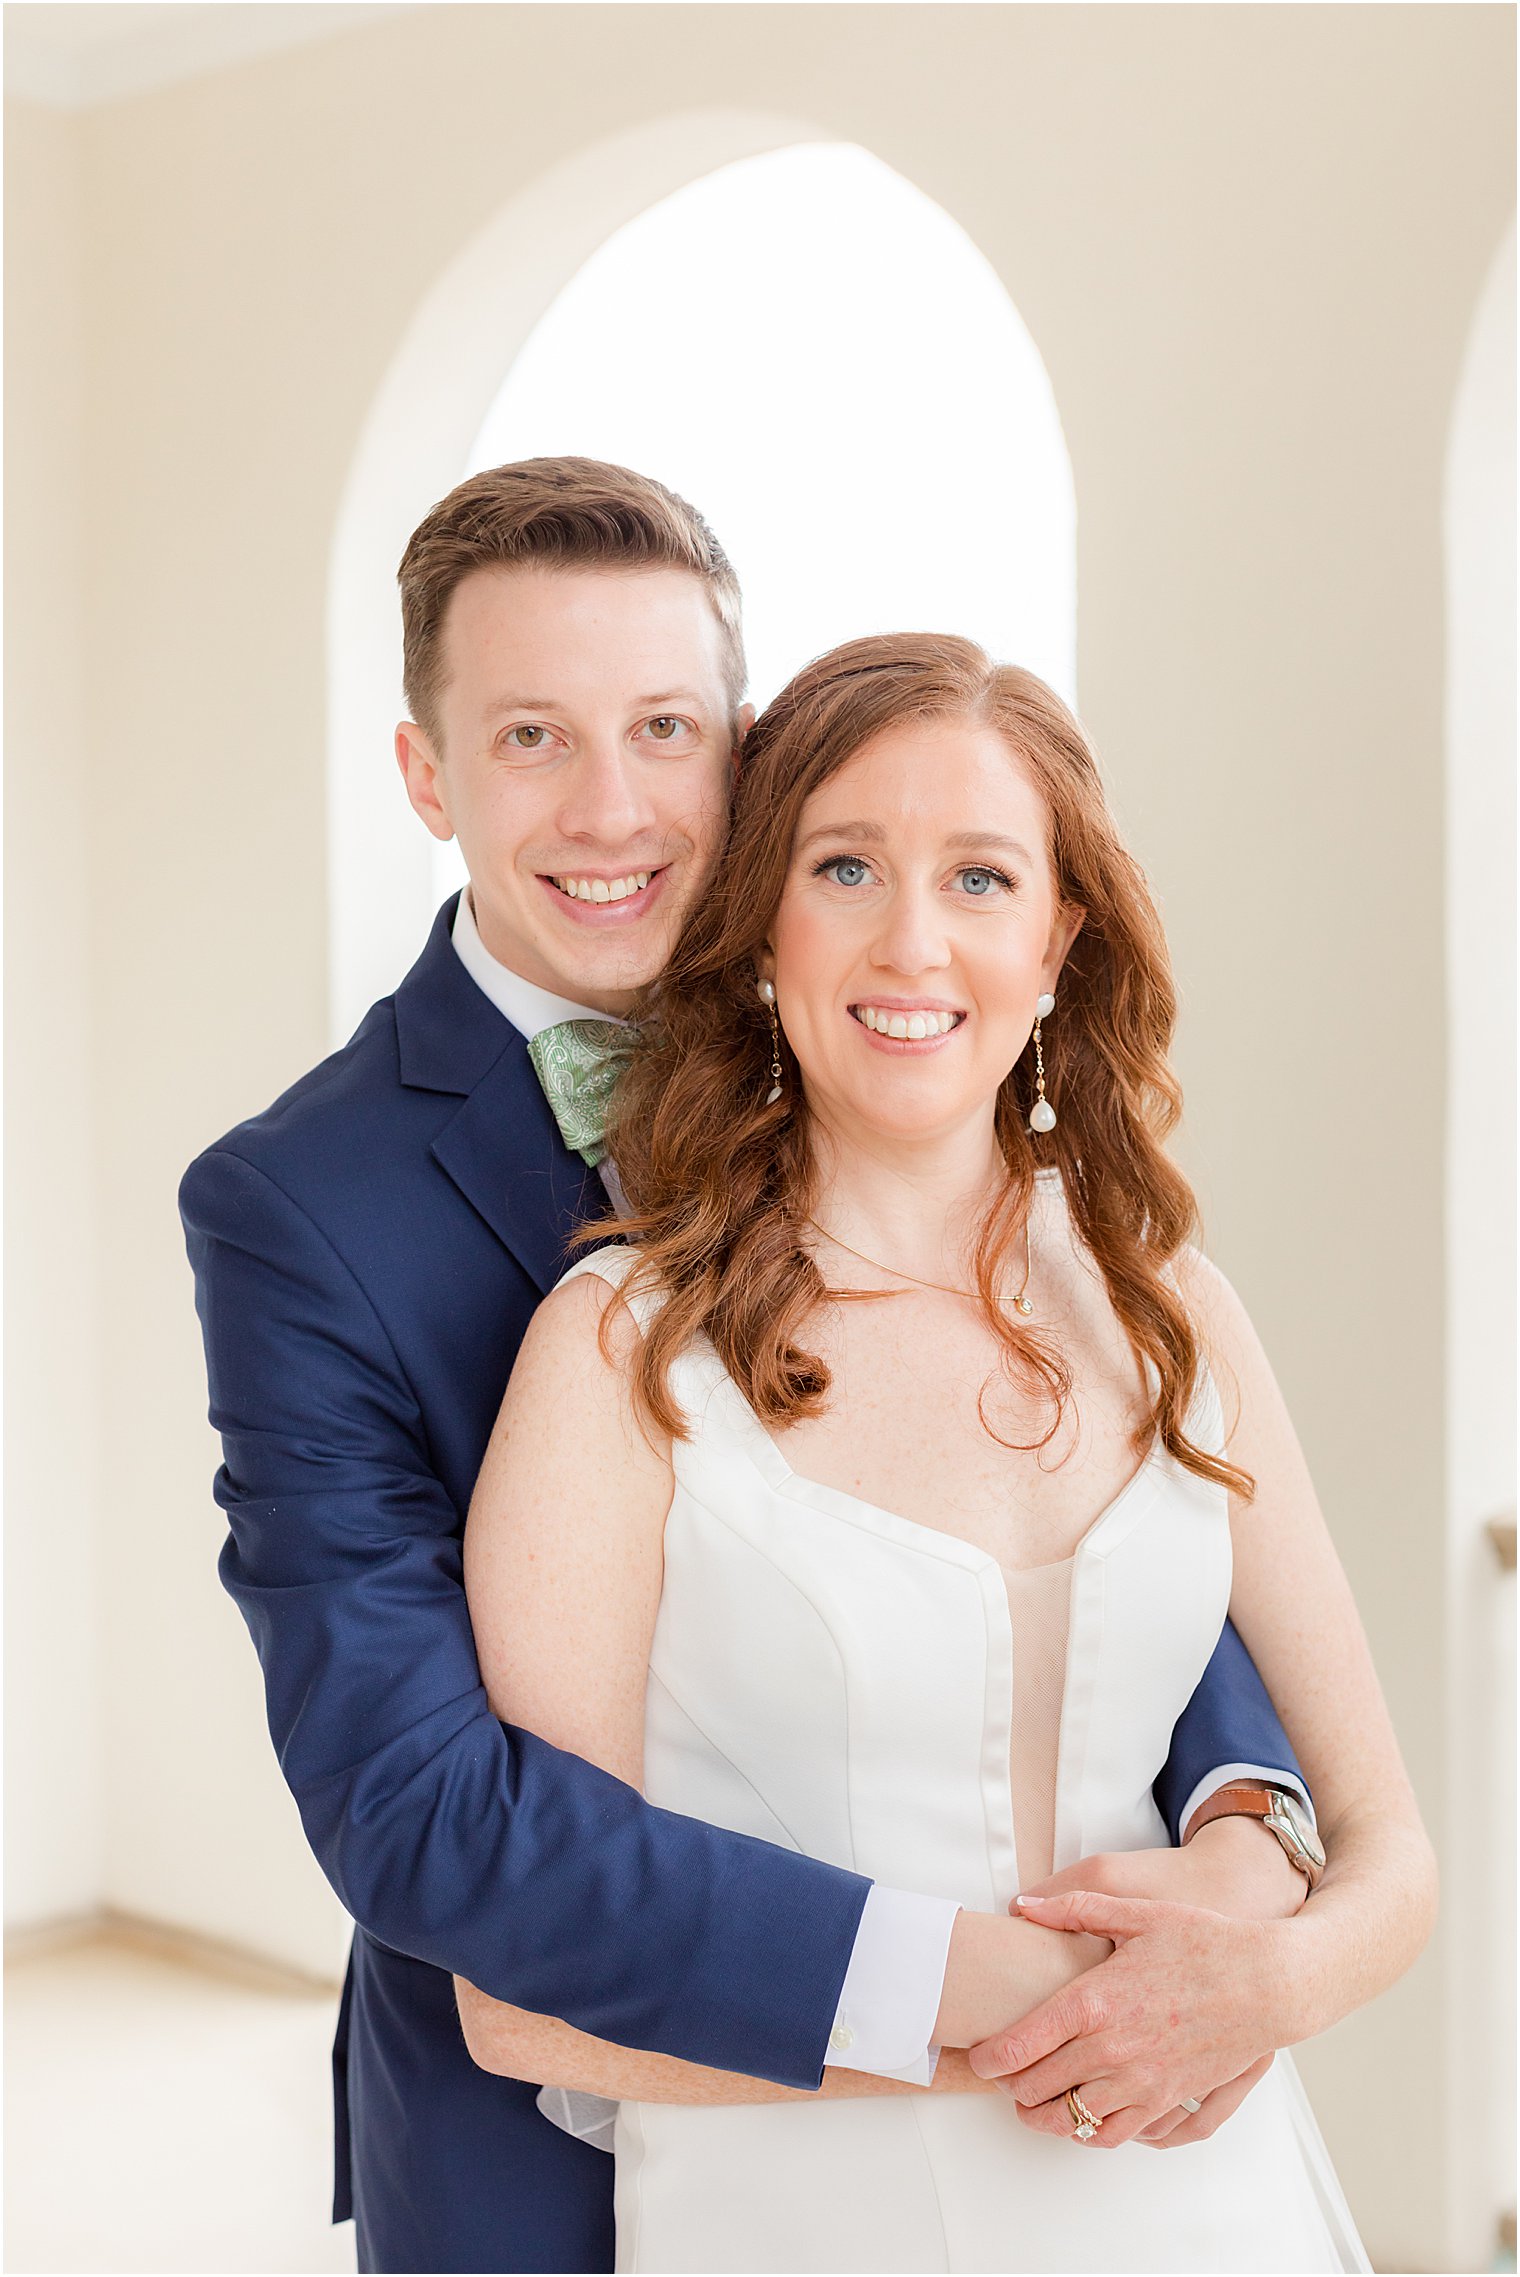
(367, 1255)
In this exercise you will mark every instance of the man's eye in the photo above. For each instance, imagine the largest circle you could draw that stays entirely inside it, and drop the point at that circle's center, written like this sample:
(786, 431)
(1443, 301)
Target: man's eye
(528, 736)
(845, 869)
(665, 728)
(982, 883)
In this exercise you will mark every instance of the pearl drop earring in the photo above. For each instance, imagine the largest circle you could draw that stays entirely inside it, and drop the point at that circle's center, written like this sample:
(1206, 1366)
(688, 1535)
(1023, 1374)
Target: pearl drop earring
(1042, 1116)
(767, 995)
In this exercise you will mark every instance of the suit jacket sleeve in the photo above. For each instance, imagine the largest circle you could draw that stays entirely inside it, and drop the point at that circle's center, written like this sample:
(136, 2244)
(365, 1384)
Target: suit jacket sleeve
(446, 1834)
(1229, 1720)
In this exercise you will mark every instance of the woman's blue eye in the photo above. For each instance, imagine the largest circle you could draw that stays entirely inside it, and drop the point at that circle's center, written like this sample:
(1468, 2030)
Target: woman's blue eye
(981, 882)
(847, 869)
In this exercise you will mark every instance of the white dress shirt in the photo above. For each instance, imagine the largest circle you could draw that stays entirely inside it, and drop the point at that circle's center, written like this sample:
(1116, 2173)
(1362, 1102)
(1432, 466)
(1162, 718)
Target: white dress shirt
(892, 1987)
(895, 1979)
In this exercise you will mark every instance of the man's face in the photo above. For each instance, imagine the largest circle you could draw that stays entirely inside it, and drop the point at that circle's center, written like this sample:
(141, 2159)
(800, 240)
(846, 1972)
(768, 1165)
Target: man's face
(584, 764)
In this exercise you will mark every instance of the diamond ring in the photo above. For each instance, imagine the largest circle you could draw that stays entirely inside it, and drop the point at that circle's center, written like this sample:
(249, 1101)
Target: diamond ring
(1082, 2119)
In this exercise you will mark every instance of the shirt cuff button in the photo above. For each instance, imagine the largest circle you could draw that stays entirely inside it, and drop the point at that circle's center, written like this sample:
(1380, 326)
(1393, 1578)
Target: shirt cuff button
(841, 2038)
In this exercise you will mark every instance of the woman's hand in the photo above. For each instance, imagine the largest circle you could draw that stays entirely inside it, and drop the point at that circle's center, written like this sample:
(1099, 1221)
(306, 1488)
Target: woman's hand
(1189, 2000)
(1233, 1866)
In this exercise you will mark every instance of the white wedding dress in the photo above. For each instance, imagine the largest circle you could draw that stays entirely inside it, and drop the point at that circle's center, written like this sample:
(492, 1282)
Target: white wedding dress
(855, 1685)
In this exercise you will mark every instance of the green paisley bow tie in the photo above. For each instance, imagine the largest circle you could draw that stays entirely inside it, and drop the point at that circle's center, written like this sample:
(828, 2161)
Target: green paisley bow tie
(578, 1063)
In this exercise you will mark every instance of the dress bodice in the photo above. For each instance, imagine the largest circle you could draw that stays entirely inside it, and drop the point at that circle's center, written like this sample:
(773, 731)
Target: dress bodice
(829, 1675)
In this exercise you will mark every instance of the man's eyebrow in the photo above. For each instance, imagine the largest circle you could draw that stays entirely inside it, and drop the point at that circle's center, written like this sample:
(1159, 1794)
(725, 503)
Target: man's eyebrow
(655, 703)
(521, 704)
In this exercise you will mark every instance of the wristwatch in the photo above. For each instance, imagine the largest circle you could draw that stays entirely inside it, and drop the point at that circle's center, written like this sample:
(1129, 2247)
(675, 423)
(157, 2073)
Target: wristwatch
(1277, 1809)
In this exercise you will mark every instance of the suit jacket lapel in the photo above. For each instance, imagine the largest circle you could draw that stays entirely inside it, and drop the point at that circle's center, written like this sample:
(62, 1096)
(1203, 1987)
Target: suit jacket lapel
(504, 1153)
(502, 1149)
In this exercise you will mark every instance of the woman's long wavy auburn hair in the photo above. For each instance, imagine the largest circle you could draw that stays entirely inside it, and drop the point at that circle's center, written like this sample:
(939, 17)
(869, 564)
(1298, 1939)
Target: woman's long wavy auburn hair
(719, 1184)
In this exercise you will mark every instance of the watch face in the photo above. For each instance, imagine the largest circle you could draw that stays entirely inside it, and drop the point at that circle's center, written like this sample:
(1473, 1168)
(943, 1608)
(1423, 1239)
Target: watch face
(1291, 1811)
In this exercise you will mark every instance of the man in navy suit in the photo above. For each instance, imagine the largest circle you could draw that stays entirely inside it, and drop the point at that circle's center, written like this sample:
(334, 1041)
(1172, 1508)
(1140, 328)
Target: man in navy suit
(367, 1254)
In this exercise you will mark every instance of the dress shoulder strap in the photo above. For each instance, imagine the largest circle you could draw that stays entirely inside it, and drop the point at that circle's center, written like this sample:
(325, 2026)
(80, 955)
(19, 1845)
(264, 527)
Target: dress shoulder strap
(1205, 1417)
(613, 1263)
(1206, 1424)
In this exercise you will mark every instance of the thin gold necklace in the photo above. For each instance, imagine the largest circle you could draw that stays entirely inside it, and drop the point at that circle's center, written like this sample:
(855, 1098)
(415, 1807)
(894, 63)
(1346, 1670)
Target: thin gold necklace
(1023, 1302)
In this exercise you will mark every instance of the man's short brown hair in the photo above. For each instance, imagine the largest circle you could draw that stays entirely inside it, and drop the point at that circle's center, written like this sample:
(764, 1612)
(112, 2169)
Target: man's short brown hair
(561, 513)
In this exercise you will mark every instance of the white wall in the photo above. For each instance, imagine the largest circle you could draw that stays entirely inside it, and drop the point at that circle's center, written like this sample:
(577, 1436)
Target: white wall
(53, 1732)
(1248, 244)
(1479, 1059)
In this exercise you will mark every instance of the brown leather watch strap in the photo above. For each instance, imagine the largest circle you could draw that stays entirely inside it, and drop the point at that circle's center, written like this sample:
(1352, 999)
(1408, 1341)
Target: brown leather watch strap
(1230, 1802)
(1276, 1810)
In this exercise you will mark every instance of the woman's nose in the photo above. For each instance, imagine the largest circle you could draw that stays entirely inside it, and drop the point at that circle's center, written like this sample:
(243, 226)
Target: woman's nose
(912, 939)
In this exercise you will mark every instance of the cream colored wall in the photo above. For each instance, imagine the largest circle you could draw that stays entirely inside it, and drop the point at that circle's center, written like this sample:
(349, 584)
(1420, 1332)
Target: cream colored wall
(1480, 1240)
(1248, 242)
(53, 1737)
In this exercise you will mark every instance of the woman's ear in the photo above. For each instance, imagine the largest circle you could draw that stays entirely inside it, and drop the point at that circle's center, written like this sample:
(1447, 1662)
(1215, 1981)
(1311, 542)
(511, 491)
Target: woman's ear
(1068, 924)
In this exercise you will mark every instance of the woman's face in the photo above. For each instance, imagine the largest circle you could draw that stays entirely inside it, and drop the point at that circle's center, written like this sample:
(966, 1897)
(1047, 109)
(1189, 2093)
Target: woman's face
(920, 899)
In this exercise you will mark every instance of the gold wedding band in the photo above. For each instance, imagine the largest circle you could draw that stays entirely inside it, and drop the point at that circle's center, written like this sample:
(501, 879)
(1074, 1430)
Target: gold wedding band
(1081, 2118)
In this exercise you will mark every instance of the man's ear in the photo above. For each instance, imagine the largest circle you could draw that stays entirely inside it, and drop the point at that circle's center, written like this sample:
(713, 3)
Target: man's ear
(744, 720)
(422, 775)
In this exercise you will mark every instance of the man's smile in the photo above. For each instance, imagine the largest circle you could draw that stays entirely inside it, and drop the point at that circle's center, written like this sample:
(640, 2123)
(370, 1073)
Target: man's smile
(603, 898)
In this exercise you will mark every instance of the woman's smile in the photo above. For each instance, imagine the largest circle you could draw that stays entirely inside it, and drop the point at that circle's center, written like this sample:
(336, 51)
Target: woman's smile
(920, 893)
(911, 1025)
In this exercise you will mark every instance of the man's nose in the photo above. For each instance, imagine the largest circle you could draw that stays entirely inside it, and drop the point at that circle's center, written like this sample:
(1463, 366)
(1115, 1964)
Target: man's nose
(607, 798)
(912, 938)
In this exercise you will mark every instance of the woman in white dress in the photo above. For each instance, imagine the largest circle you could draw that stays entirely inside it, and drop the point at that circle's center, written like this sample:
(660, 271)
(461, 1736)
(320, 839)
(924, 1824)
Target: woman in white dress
(887, 1500)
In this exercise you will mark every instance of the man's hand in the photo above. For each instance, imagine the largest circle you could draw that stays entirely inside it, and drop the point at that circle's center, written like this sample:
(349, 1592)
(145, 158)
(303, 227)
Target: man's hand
(998, 1968)
(1189, 2003)
(1182, 2126)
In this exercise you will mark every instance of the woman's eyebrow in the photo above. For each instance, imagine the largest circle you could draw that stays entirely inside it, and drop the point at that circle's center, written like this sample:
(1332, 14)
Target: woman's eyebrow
(960, 841)
(868, 833)
(970, 841)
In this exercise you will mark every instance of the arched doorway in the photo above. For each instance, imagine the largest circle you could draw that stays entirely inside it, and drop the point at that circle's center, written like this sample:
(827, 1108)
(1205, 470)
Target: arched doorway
(793, 336)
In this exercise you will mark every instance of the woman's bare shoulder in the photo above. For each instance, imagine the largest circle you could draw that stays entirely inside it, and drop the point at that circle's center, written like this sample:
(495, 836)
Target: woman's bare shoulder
(1215, 1305)
(568, 1328)
(569, 1408)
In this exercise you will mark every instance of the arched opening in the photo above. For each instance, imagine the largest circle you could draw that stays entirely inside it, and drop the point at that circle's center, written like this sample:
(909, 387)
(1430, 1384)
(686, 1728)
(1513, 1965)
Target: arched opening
(817, 356)
(413, 448)
(791, 335)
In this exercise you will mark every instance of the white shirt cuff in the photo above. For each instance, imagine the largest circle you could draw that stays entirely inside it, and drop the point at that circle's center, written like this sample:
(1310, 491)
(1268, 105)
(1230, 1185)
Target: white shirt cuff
(1248, 1775)
(893, 1987)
